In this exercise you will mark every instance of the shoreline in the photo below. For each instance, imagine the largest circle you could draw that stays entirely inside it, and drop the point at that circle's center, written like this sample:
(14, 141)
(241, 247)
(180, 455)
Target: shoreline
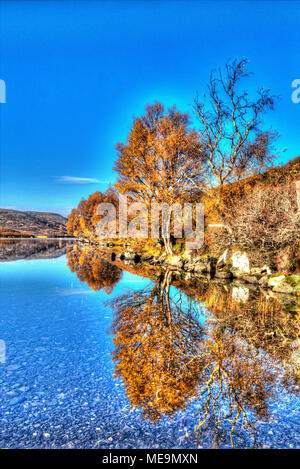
(228, 268)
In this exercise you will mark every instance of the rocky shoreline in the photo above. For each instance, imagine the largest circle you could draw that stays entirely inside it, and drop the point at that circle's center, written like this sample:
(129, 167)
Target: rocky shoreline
(233, 265)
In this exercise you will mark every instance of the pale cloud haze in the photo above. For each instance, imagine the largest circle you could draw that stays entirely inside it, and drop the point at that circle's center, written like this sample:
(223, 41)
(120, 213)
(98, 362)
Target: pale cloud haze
(78, 180)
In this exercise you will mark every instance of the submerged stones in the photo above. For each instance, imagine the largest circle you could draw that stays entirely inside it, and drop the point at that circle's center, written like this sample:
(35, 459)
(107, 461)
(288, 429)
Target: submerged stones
(229, 266)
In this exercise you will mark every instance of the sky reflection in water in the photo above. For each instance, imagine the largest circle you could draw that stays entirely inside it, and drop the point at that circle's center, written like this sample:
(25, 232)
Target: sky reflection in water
(97, 357)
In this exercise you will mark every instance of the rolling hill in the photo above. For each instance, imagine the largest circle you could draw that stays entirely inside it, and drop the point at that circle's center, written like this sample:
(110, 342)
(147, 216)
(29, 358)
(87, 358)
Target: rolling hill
(15, 223)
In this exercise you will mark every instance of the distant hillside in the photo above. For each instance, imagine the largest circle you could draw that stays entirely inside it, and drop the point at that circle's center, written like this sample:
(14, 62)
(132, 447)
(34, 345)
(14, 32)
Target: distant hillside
(14, 223)
(14, 250)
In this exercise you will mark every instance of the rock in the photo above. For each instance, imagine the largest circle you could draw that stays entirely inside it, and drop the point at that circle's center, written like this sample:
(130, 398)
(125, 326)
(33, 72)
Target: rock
(255, 271)
(129, 262)
(248, 278)
(241, 262)
(240, 294)
(285, 288)
(223, 274)
(224, 258)
(201, 268)
(128, 255)
(200, 265)
(209, 260)
(263, 281)
(285, 284)
(175, 261)
(205, 265)
(275, 280)
(266, 269)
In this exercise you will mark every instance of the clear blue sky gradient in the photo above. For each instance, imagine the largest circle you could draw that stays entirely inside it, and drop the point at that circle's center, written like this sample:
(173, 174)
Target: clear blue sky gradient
(78, 71)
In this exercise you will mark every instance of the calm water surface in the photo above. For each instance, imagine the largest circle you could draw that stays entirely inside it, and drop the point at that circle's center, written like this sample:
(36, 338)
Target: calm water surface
(92, 355)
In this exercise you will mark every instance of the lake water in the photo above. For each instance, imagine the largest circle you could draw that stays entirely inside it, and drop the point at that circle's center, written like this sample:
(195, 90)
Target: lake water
(96, 354)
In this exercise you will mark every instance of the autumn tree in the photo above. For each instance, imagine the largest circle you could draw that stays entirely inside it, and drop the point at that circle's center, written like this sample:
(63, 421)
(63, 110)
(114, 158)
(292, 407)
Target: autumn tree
(110, 196)
(93, 270)
(165, 359)
(230, 129)
(73, 223)
(159, 149)
(156, 342)
(84, 218)
(158, 162)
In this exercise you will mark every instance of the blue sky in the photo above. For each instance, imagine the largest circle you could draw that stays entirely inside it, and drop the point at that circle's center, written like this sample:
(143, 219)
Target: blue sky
(76, 73)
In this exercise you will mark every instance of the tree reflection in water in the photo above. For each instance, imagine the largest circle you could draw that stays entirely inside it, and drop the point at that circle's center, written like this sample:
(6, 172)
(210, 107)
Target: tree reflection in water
(226, 348)
(167, 354)
(92, 269)
(156, 343)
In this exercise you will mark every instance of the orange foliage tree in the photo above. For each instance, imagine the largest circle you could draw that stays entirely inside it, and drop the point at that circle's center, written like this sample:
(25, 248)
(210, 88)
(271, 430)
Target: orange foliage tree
(158, 161)
(84, 219)
(92, 269)
(155, 348)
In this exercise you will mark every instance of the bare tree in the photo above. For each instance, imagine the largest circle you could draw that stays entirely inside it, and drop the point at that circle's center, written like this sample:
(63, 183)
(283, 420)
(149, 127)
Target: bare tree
(268, 218)
(230, 131)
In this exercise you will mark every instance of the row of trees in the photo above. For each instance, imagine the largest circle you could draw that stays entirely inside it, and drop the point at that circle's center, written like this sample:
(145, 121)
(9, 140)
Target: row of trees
(165, 160)
(83, 219)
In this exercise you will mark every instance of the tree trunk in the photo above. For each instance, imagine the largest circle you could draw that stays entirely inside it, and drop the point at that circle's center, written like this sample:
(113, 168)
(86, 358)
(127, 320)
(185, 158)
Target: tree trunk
(168, 245)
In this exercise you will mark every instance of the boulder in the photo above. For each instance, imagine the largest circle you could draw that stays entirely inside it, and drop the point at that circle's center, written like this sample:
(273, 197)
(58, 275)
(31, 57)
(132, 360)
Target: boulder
(275, 280)
(248, 278)
(224, 258)
(223, 274)
(255, 271)
(201, 268)
(240, 261)
(240, 294)
(285, 284)
(175, 262)
(266, 270)
(263, 281)
(200, 264)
